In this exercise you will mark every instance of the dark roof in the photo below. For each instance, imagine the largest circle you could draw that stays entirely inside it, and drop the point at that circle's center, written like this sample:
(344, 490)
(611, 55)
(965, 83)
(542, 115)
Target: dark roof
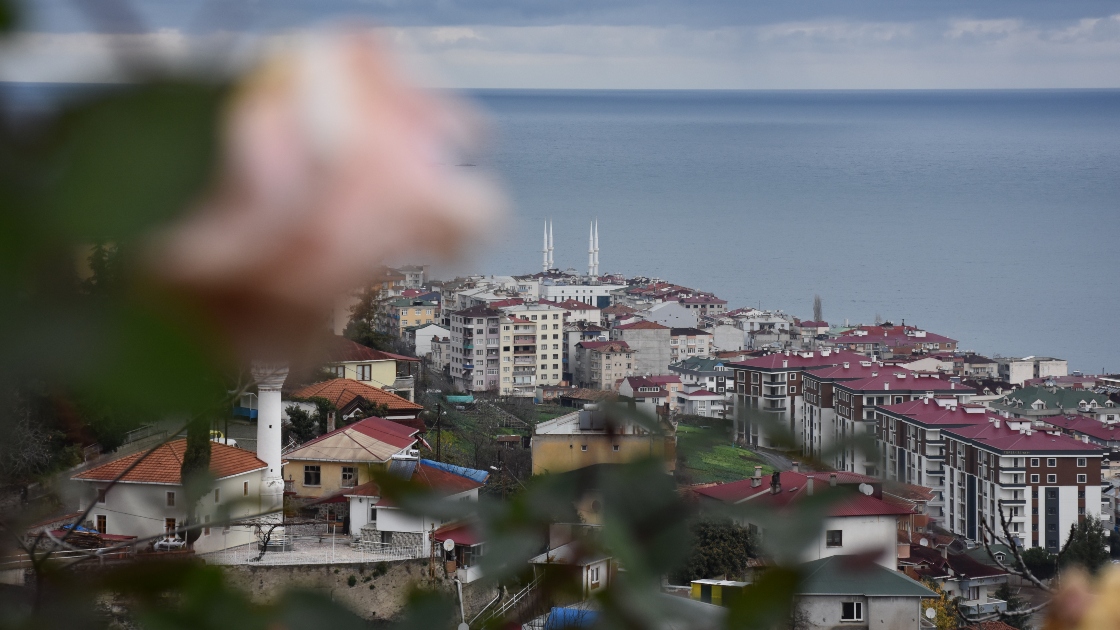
(605, 346)
(342, 349)
(687, 332)
(459, 533)
(642, 325)
(478, 311)
(795, 361)
(854, 575)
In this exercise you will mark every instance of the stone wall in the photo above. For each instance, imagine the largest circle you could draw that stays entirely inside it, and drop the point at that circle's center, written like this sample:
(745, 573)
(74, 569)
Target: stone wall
(372, 597)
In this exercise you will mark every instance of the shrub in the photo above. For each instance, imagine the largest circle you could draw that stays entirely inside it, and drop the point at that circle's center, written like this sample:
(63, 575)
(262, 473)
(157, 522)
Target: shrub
(352, 580)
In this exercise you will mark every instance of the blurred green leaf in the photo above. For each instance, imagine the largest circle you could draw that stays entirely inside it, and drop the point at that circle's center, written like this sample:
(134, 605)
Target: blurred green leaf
(133, 158)
(767, 603)
(9, 16)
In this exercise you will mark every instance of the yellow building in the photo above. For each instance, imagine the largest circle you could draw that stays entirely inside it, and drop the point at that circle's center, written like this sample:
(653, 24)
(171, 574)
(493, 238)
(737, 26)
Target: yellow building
(345, 458)
(718, 592)
(408, 312)
(384, 370)
(582, 438)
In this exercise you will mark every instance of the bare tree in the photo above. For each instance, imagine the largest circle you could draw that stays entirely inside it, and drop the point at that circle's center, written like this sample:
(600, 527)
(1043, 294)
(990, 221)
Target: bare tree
(818, 312)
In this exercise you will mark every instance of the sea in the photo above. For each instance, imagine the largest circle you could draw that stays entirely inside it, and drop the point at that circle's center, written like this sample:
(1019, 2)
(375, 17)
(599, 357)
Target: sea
(987, 216)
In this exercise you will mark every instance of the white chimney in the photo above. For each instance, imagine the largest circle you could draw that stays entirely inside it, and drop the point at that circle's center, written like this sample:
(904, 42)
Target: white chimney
(785, 362)
(832, 480)
(847, 365)
(809, 486)
(796, 467)
(756, 481)
(886, 385)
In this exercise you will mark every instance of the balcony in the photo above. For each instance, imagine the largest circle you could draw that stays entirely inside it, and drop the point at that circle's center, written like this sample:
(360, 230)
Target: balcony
(781, 396)
(524, 360)
(775, 407)
(468, 366)
(525, 339)
(468, 346)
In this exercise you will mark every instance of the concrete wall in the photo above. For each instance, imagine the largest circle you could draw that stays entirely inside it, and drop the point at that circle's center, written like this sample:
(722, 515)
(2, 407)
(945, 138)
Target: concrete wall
(888, 613)
(392, 519)
(652, 348)
(140, 509)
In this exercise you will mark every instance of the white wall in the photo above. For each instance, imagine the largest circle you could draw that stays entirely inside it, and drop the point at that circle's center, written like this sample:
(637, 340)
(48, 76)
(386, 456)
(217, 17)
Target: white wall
(424, 338)
(392, 519)
(1067, 511)
(861, 534)
(139, 509)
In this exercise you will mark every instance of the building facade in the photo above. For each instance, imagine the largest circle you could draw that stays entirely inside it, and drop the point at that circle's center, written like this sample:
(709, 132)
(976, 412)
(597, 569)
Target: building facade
(476, 348)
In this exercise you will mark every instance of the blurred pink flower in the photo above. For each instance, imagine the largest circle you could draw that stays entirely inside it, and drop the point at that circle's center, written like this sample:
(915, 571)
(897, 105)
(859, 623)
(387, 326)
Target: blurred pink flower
(332, 164)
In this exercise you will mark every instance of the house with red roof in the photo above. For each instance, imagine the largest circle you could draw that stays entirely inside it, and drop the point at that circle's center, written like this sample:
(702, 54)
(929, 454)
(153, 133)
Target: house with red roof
(353, 398)
(647, 395)
(887, 341)
(346, 457)
(685, 343)
(577, 311)
(380, 520)
(858, 522)
(150, 500)
(392, 372)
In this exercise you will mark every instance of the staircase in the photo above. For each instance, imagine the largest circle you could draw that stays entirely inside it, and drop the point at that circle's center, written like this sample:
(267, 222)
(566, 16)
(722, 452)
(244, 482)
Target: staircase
(520, 605)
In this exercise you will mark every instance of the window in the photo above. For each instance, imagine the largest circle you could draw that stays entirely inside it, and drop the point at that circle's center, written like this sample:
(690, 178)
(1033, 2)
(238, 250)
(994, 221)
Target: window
(349, 476)
(217, 495)
(102, 524)
(168, 525)
(1051, 462)
(1051, 479)
(583, 447)
(1081, 462)
(793, 390)
(1082, 478)
(1034, 462)
(834, 538)
(594, 575)
(373, 515)
(101, 497)
(170, 499)
(206, 527)
(615, 447)
(245, 489)
(363, 372)
(851, 611)
(311, 475)
(1034, 478)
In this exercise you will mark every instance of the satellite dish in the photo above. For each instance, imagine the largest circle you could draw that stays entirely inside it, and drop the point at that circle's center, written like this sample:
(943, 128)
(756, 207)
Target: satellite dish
(930, 613)
(923, 542)
(866, 489)
(449, 545)
(464, 626)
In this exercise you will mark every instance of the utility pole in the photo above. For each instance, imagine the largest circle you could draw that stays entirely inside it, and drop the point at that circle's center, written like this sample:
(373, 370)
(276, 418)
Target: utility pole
(439, 429)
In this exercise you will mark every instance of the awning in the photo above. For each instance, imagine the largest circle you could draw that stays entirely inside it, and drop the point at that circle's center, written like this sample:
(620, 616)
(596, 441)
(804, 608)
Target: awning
(462, 533)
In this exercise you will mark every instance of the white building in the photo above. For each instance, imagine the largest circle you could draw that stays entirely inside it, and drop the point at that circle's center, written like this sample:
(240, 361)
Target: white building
(597, 295)
(671, 314)
(1018, 371)
(150, 500)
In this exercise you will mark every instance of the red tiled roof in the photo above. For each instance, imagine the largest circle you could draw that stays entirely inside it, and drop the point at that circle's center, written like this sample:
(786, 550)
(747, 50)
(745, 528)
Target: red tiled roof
(641, 381)
(664, 379)
(342, 349)
(813, 324)
(343, 391)
(164, 463)
(852, 372)
(460, 533)
(387, 431)
(642, 325)
(702, 393)
(571, 305)
(618, 309)
(891, 335)
(737, 491)
(1086, 425)
(929, 413)
(1004, 438)
(889, 380)
(506, 303)
(439, 481)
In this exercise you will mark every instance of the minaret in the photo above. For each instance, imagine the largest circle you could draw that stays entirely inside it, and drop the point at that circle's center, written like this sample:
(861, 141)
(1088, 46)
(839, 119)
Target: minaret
(596, 248)
(551, 262)
(270, 378)
(544, 249)
(591, 250)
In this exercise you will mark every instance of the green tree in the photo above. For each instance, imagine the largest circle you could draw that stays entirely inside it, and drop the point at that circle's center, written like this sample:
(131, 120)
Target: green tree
(1014, 603)
(106, 267)
(1041, 563)
(302, 424)
(362, 327)
(719, 548)
(195, 471)
(1087, 546)
(944, 605)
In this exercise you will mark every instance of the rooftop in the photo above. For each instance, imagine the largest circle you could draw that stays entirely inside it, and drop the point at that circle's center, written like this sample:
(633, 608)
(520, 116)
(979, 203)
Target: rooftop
(368, 440)
(642, 325)
(934, 413)
(163, 465)
(1086, 426)
(1004, 438)
(342, 350)
(343, 391)
(854, 575)
(605, 346)
(902, 380)
(801, 360)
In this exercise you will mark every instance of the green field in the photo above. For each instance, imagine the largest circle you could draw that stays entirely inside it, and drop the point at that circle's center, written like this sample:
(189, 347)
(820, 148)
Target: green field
(705, 455)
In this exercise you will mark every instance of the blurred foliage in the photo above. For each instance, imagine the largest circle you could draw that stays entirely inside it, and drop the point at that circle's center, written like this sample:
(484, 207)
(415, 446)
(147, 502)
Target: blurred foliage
(365, 316)
(1014, 603)
(1086, 547)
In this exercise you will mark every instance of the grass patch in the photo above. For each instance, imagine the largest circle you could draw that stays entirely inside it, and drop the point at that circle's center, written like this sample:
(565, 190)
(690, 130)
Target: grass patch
(705, 455)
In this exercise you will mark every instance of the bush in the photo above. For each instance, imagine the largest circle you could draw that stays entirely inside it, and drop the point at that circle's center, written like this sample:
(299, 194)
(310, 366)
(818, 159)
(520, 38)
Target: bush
(381, 569)
(352, 580)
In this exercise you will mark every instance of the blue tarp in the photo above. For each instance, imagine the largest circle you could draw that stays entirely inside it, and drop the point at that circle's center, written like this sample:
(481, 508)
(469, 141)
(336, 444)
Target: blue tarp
(461, 400)
(79, 528)
(561, 618)
(470, 473)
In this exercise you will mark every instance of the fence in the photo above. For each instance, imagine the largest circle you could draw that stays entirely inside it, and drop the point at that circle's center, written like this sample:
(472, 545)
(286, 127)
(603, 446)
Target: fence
(316, 550)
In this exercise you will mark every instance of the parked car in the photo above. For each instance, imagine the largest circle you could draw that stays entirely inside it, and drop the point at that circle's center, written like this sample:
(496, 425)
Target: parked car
(171, 543)
(220, 438)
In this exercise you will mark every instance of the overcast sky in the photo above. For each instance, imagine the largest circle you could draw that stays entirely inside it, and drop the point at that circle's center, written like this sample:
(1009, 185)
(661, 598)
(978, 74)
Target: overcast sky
(752, 44)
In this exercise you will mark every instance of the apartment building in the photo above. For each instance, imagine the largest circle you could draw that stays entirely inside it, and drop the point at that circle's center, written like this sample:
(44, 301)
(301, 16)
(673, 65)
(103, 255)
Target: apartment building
(1041, 402)
(399, 315)
(548, 322)
(593, 292)
(689, 342)
(575, 332)
(855, 403)
(650, 342)
(911, 444)
(705, 305)
(518, 356)
(1042, 482)
(768, 390)
(576, 311)
(1017, 370)
(475, 349)
(817, 429)
(600, 363)
(707, 373)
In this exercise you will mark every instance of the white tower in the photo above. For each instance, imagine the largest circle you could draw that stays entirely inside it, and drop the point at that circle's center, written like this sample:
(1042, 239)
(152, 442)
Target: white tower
(551, 262)
(544, 249)
(590, 251)
(596, 246)
(270, 378)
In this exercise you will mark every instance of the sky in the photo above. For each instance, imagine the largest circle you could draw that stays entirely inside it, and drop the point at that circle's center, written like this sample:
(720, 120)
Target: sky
(620, 44)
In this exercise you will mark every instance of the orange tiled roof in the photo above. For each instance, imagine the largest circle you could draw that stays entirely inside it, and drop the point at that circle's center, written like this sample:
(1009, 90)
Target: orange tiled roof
(163, 464)
(343, 391)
